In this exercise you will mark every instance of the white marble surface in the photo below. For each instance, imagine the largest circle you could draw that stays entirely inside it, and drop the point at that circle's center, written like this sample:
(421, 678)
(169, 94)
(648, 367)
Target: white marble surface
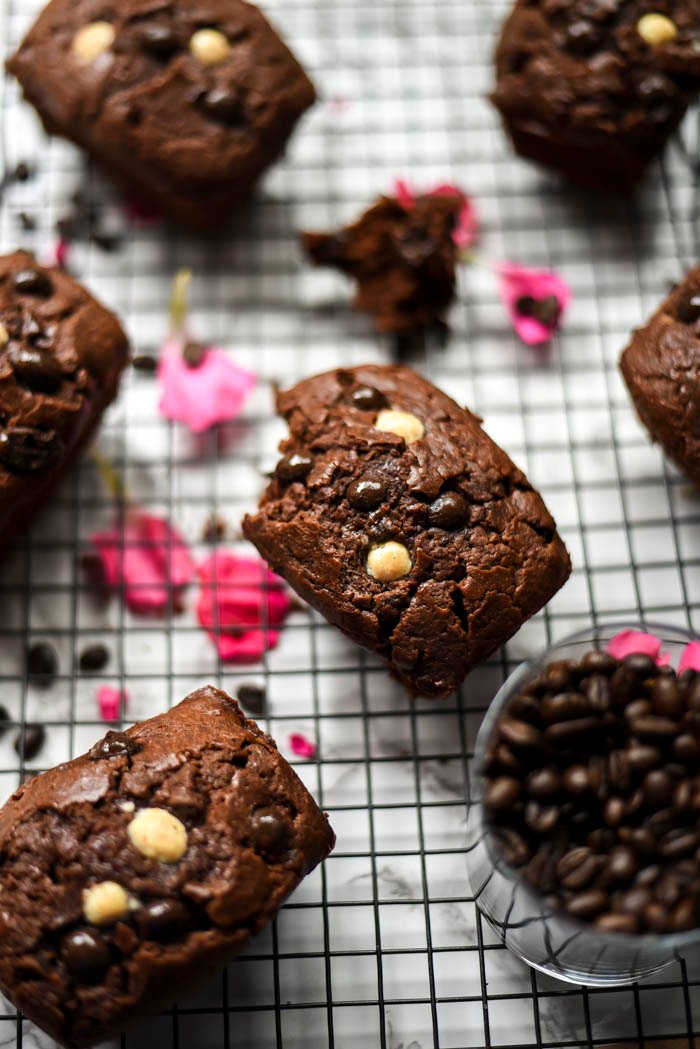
(382, 946)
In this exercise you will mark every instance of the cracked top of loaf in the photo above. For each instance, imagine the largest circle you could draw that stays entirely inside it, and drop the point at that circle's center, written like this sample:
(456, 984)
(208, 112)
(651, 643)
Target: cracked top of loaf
(398, 518)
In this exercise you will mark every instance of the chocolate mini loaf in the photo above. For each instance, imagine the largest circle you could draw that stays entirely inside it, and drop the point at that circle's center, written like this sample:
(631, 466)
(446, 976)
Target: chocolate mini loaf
(404, 259)
(132, 872)
(395, 516)
(61, 358)
(592, 793)
(661, 367)
(184, 103)
(595, 88)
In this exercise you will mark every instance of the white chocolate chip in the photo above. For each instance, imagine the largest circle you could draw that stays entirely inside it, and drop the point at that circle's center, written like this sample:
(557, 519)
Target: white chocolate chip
(127, 806)
(91, 41)
(403, 423)
(105, 903)
(210, 46)
(159, 835)
(388, 562)
(4, 336)
(656, 29)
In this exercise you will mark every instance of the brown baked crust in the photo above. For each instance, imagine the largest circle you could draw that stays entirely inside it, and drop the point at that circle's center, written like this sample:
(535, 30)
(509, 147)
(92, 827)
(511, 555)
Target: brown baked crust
(469, 589)
(142, 115)
(53, 408)
(595, 103)
(66, 830)
(403, 259)
(661, 367)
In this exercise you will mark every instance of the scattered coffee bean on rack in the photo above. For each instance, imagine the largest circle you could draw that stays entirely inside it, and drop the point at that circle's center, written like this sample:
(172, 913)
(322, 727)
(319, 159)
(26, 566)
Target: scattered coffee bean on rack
(30, 741)
(4, 720)
(41, 664)
(592, 790)
(93, 657)
(145, 362)
(252, 698)
(215, 529)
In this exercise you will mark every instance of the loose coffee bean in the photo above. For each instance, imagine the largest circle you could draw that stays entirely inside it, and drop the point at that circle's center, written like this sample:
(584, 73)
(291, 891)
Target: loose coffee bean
(565, 706)
(621, 864)
(577, 875)
(642, 841)
(450, 511)
(656, 917)
(94, 657)
(502, 793)
(693, 693)
(507, 760)
(601, 840)
(366, 493)
(513, 845)
(519, 734)
(684, 916)
(558, 676)
(682, 795)
(686, 748)
(639, 708)
(571, 733)
(641, 758)
(678, 843)
(597, 690)
(293, 468)
(642, 665)
(252, 698)
(653, 729)
(541, 819)
(576, 779)
(369, 399)
(648, 875)
(666, 698)
(4, 720)
(544, 784)
(619, 770)
(612, 922)
(587, 904)
(524, 708)
(668, 891)
(634, 900)
(614, 812)
(658, 787)
(595, 662)
(41, 664)
(624, 684)
(30, 741)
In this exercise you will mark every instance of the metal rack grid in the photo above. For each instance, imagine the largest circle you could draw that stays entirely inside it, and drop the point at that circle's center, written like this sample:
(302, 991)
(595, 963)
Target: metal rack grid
(382, 946)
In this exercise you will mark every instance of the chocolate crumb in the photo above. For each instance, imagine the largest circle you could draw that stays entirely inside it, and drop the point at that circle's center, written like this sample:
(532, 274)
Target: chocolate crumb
(252, 698)
(94, 657)
(29, 741)
(41, 664)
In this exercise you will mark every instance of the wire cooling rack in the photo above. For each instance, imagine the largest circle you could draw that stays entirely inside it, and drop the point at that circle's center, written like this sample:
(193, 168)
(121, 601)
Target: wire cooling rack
(382, 947)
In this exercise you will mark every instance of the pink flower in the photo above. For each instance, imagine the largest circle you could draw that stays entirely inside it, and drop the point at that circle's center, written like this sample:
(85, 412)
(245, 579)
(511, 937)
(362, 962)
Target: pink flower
(111, 702)
(209, 392)
(467, 228)
(301, 746)
(690, 660)
(241, 604)
(148, 559)
(628, 642)
(535, 300)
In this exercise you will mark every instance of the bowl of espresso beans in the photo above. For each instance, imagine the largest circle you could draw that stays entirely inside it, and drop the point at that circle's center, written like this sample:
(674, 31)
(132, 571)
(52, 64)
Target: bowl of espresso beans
(584, 820)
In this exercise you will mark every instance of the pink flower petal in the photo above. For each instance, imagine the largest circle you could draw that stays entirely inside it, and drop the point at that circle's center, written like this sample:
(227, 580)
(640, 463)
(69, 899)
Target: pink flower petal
(690, 660)
(301, 746)
(629, 642)
(149, 559)
(467, 229)
(545, 294)
(241, 603)
(111, 702)
(213, 392)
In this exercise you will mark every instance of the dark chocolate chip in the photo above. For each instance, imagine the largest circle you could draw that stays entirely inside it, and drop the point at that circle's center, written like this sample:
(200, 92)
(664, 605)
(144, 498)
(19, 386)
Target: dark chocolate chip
(94, 657)
(36, 368)
(158, 39)
(145, 362)
(270, 833)
(194, 353)
(369, 399)
(656, 88)
(252, 697)
(113, 745)
(366, 493)
(41, 664)
(33, 282)
(224, 104)
(25, 450)
(30, 741)
(162, 920)
(688, 309)
(86, 955)
(293, 467)
(449, 511)
(582, 37)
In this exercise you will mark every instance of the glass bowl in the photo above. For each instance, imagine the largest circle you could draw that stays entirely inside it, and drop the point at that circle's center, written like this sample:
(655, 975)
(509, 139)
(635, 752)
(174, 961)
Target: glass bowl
(545, 937)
